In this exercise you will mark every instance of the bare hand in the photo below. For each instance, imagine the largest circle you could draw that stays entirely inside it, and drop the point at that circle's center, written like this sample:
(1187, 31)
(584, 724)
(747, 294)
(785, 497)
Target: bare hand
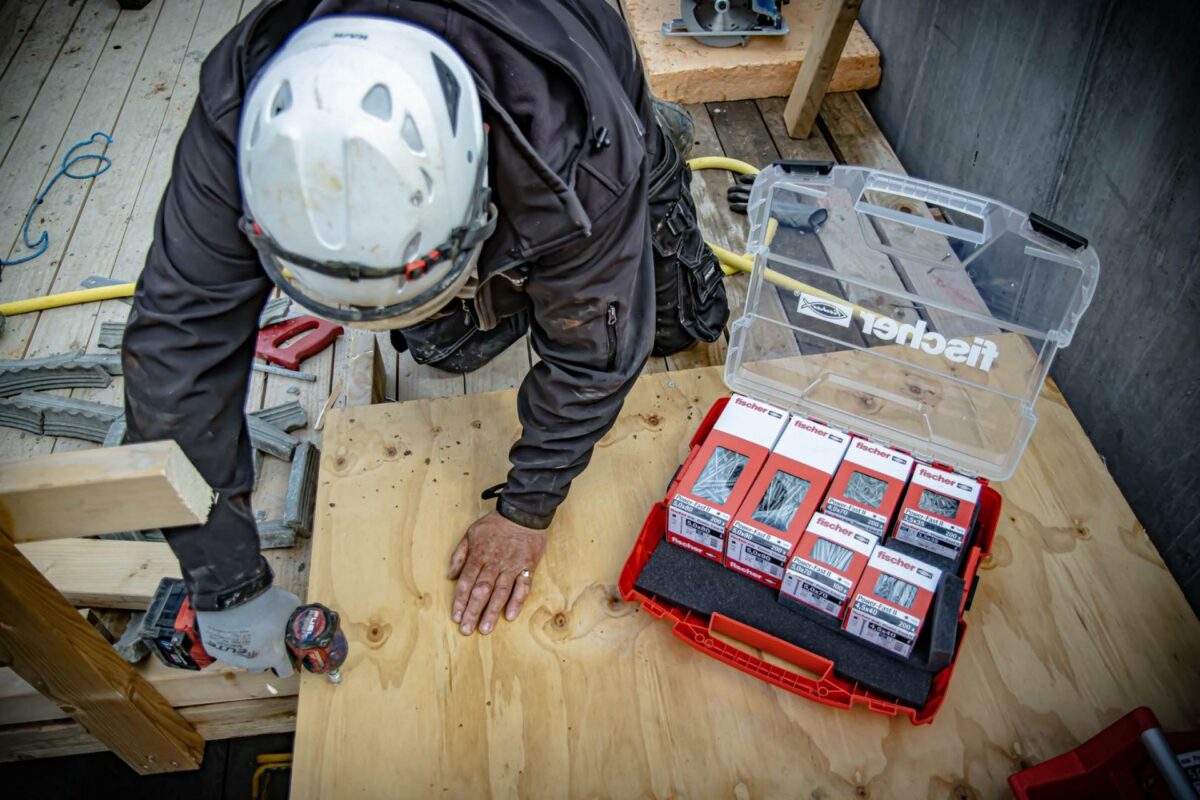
(493, 565)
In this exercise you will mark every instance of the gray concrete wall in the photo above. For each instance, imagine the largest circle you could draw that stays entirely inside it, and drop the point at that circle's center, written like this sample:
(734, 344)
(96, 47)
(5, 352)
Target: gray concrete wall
(1086, 112)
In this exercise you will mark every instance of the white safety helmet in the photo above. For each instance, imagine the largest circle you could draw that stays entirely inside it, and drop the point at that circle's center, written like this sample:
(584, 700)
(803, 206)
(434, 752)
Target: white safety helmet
(362, 157)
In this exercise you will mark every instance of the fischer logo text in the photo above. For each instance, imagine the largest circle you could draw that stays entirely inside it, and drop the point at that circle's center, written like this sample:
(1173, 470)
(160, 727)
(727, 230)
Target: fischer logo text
(825, 522)
(741, 401)
(979, 353)
(884, 555)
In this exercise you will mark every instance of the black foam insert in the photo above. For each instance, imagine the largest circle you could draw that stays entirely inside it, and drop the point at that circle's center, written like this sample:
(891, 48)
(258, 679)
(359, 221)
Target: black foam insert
(705, 587)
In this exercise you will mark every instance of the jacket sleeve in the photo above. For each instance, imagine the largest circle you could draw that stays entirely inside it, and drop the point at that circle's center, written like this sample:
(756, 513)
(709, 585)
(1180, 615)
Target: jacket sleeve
(593, 327)
(187, 356)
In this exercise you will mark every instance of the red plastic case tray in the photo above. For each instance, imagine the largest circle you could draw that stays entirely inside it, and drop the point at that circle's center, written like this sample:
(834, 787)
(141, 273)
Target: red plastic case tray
(698, 629)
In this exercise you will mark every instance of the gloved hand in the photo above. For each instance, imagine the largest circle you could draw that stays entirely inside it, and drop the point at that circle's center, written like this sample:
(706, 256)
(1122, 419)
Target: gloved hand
(250, 636)
(786, 207)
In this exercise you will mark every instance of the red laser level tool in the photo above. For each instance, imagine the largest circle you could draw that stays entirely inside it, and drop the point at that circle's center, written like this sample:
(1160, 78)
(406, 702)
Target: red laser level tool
(169, 628)
(318, 334)
(316, 640)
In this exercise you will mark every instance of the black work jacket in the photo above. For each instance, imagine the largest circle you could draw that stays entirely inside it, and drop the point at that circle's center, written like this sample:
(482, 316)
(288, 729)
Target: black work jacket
(565, 97)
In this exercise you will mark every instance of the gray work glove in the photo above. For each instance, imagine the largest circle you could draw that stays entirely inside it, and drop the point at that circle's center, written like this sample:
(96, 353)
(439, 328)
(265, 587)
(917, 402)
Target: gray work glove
(250, 636)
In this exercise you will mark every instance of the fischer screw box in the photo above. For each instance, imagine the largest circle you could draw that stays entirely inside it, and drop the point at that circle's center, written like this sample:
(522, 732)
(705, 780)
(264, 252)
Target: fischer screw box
(716, 481)
(868, 486)
(827, 564)
(783, 498)
(938, 510)
(892, 601)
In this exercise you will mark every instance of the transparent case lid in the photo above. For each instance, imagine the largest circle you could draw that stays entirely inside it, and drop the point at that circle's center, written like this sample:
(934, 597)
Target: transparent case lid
(918, 315)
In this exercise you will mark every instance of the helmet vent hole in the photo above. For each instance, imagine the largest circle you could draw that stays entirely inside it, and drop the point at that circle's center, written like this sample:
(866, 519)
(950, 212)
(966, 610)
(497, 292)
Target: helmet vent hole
(378, 102)
(470, 157)
(411, 136)
(413, 249)
(283, 99)
(255, 131)
(428, 184)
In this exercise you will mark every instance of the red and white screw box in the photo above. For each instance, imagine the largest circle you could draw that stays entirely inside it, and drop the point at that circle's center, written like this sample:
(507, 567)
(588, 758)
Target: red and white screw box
(827, 564)
(938, 510)
(892, 600)
(783, 498)
(868, 485)
(716, 480)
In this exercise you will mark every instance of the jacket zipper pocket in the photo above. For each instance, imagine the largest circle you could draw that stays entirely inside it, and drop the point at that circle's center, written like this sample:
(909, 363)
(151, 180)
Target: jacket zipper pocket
(610, 326)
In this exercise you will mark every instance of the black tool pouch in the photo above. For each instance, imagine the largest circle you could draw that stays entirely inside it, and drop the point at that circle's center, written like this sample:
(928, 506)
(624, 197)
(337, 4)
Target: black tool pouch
(690, 302)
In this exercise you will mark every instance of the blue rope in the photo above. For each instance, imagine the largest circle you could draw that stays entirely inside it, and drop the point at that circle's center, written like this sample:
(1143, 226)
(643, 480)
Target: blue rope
(69, 160)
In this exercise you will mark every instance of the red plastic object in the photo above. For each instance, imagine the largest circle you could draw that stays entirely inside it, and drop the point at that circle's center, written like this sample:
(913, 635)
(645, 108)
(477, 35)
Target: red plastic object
(318, 334)
(820, 684)
(1112, 764)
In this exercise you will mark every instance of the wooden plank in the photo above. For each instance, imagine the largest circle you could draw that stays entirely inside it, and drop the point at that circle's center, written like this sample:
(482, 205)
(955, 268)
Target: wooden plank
(96, 240)
(105, 574)
(1076, 621)
(686, 71)
(96, 109)
(34, 58)
(846, 254)
(857, 139)
(744, 136)
(14, 25)
(831, 29)
(49, 645)
(219, 683)
(366, 378)
(214, 20)
(30, 158)
(109, 490)
(416, 381)
(212, 722)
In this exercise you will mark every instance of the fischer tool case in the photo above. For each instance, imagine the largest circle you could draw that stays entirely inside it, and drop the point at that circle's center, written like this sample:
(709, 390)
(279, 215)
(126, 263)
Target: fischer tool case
(930, 332)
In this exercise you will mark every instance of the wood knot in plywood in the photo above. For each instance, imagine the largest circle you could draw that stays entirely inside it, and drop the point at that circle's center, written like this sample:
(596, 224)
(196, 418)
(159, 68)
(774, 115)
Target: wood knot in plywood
(374, 632)
(476, 424)
(862, 792)
(960, 791)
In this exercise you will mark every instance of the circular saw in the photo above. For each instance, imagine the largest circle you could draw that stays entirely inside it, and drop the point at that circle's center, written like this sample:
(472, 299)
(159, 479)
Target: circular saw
(726, 23)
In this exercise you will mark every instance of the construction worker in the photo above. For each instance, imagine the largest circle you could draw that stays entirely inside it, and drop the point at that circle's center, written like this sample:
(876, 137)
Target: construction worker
(457, 172)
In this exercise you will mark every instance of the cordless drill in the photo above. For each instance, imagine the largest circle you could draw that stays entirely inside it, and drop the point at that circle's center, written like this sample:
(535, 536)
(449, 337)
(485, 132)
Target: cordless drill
(313, 636)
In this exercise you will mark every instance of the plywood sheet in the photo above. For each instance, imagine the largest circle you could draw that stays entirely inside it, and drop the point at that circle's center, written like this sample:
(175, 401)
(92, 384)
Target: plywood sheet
(1076, 621)
(686, 71)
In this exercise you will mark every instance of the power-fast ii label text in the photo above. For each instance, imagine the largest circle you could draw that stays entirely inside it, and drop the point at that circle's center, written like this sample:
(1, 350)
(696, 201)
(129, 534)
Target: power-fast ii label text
(816, 586)
(695, 522)
(883, 625)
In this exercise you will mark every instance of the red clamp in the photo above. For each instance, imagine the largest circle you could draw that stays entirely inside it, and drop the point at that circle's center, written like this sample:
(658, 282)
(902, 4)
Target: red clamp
(317, 335)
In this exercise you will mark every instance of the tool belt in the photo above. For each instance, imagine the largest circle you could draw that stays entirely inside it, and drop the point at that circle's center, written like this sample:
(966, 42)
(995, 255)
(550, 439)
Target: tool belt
(690, 301)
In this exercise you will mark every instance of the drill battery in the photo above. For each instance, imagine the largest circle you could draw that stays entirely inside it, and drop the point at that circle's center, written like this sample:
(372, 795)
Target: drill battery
(170, 628)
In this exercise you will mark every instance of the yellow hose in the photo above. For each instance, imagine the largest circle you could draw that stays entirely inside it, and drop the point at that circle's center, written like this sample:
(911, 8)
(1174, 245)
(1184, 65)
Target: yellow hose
(67, 299)
(732, 263)
(721, 162)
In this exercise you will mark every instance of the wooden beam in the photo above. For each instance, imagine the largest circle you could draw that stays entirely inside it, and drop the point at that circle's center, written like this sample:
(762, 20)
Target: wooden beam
(105, 574)
(366, 377)
(215, 721)
(830, 31)
(220, 683)
(49, 645)
(108, 490)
